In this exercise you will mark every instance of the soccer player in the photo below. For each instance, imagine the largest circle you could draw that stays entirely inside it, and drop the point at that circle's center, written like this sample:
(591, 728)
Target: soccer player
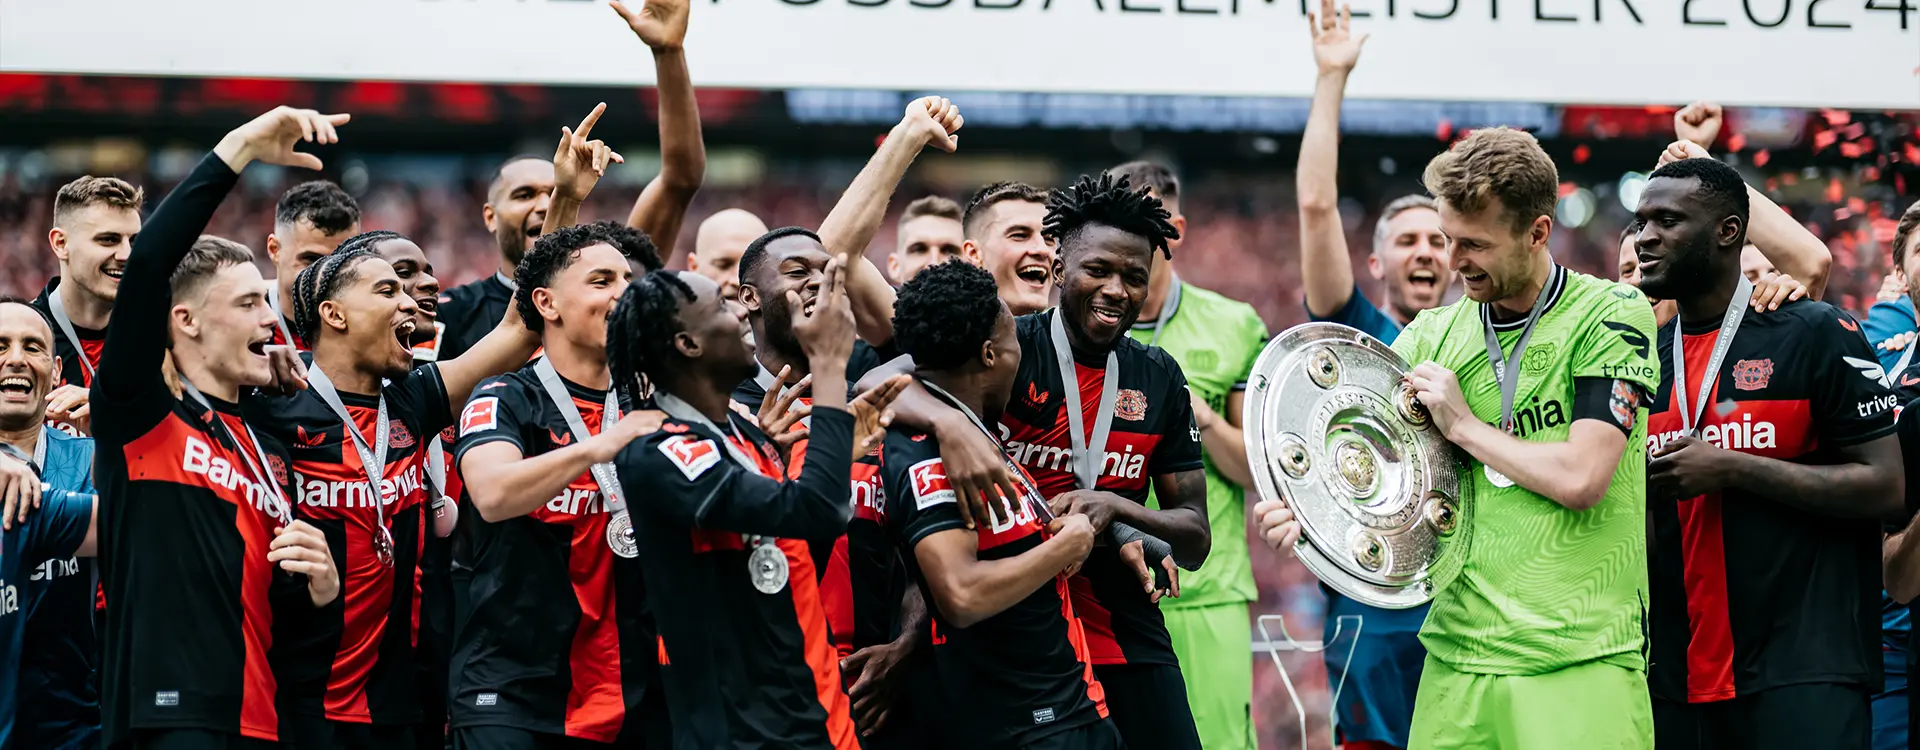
(930, 232)
(1003, 229)
(1006, 641)
(518, 198)
(94, 222)
(310, 221)
(1556, 472)
(725, 538)
(49, 679)
(1766, 510)
(363, 483)
(1216, 341)
(552, 632)
(1377, 675)
(194, 515)
(717, 247)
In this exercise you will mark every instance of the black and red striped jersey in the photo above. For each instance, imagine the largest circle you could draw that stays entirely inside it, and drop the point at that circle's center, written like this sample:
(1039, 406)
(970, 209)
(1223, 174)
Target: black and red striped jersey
(551, 630)
(75, 356)
(1023, 674)
(742, 667)
(360, 667)
(199, 615)
(1748, 592)
(1153, 434)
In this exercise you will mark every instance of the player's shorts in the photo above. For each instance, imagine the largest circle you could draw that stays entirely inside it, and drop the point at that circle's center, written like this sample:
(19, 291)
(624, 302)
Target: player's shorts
(1826, 715)
(314, 733)
(1100, 735)
(197, 739)
(921, 712)
(1593, 706)
(1148, 704)
(512, 738)
(1221, 693)
(1375, 703)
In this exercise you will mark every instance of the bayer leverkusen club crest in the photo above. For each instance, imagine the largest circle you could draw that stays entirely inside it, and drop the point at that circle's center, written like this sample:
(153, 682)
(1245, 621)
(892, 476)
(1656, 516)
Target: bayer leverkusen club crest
(1752, 374)
(1130, 405)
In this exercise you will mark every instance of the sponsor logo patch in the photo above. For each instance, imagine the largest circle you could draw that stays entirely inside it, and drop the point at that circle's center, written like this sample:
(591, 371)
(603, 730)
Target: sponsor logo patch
(480, 414)
(1630, 336)
(930, 485)
(1869, 369)
(693, 456)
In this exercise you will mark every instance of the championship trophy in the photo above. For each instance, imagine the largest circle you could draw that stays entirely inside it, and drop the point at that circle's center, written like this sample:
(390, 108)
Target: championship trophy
(1333, 429)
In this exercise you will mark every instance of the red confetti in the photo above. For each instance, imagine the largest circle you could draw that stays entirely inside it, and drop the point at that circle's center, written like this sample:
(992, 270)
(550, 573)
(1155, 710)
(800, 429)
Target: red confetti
(1837, 117)
(1445, 130)
(1737, 142)
(1857, 205)
(1567, 188)
(1581, 153)
(1852, 150)
(1761, 157)
(1835, 191)
(1823, 139)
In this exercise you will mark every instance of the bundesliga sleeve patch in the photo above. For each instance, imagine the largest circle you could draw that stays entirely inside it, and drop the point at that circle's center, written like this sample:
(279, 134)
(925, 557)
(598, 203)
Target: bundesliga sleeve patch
(693, 456)
(930, 486)
(480, 414)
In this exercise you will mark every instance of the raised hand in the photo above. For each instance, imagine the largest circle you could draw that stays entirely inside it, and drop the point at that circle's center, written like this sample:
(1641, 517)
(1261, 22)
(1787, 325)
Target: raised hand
(935, 121)
(1680, 151)
(780, 417)
(1277, 525)
(578, 163)
(662, 24)
(1699, 122)
(1774, 288)
(871, 415)
(1335, 48)
(271, 137)
(825, 333)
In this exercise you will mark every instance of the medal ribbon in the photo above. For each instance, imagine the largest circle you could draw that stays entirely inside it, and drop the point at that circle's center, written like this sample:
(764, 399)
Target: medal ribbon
(1030, 494)
(1729, 325)
(1086, 462)
(679, 409)
(256, 460)
(1506, 371)
(373, 457)
(59, 309)
(610, 413)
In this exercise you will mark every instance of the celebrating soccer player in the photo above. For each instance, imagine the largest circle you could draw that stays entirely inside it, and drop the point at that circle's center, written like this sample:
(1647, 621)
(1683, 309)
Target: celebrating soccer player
(929, 232)
(1539, 376)
(94, 222)
(519, 197)
(196, 521)
(1766, 508)
(310, 221)
(1003, 229)
(47, 694)
(724, 542)
(1006, 641)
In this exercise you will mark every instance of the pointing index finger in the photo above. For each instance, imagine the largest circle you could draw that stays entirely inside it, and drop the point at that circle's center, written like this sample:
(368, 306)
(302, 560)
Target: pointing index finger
(586, 125)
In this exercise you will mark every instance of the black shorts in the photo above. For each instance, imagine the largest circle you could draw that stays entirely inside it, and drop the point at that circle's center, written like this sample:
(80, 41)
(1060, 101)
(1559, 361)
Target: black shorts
(327, 734)
(1830, 716)
(1148, 704)
(920, 712)
(510, 738)
(1100, 735)
(196, 739)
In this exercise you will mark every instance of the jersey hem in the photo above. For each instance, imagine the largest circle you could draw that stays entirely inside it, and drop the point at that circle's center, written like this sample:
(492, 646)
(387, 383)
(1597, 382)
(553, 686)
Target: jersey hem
(1763, 686)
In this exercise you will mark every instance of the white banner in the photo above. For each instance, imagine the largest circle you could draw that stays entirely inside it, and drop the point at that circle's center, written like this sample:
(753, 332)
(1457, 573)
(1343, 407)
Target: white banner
(1833, 53)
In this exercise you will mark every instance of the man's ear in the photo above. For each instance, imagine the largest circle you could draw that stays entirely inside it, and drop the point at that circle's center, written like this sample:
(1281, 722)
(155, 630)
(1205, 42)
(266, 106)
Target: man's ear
(57, 239)
(486, 216)
(687, 345)
(273, 248)
(750, 299)
(543, 302)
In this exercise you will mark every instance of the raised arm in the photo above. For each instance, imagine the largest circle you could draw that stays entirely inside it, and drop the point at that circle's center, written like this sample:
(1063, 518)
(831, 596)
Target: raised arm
(507, 347)
(1325, 268)
(662, 206)
(578, 165)
(850, 226)
(1792, 249)
(688, 478)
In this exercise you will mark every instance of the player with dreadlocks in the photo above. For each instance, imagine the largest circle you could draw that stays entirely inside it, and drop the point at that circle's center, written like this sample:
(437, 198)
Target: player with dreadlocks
(725, 538)
(550, 616)
(1094, 443)
(358, 436)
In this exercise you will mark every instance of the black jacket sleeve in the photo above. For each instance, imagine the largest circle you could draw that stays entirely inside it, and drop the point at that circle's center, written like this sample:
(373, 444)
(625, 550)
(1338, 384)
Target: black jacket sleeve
(129, 393)
(687, 477)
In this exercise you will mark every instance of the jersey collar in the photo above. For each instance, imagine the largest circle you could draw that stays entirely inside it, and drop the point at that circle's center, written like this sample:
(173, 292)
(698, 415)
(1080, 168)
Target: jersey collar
(1556, 287)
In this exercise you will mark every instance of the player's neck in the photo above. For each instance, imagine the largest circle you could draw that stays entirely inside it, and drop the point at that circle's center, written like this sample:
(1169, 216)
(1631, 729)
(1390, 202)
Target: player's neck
(1159, 291)
(1710, 303)
(83, 308)
(704, 392)
(579, 364)
(25, 437)
(967, 389)
(334, 356)
(283, 289)
(194, 369)
(507, 266)
(769, 355)
(1083, 349)
(1519, 305)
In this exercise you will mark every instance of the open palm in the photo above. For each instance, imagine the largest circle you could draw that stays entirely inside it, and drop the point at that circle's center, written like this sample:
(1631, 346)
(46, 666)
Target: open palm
(1335, 48)
(662, 24)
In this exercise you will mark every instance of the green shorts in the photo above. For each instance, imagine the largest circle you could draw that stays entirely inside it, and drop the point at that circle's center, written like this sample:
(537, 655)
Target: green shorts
(1592, 706)
(1217, 665)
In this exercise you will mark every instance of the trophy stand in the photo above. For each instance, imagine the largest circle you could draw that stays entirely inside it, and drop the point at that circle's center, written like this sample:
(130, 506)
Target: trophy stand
(1288, 643)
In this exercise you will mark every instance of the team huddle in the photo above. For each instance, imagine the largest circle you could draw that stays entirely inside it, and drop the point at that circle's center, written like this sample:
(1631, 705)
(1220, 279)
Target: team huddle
(987, 497)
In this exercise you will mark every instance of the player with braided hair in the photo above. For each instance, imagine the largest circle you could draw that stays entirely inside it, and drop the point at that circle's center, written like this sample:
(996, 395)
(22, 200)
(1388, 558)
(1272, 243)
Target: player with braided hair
(362, 430)
(725, 538)
(550, 616)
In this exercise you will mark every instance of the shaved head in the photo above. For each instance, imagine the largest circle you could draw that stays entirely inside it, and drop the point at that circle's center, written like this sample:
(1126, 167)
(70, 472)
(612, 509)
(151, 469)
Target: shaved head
(717, 247)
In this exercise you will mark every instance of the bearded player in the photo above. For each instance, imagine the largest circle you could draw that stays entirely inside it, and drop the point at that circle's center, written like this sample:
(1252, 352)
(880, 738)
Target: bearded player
(1767, 508)
(1556, 473)
(522, 190)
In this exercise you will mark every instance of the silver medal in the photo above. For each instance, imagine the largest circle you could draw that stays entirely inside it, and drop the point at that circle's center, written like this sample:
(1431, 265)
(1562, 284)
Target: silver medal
(620, 536)
(767, 568)
(383, 545)
(1498, 479)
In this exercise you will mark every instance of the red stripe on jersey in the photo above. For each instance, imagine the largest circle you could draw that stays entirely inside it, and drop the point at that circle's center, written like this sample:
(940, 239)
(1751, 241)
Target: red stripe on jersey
(178, 453)
(822, 657)
(1045, 450)
(1097, 623)
(596, 704)
(367, 588)
(836, 597)
(90, 350)
(1710, 650)
(299, 344)
(1077, 635)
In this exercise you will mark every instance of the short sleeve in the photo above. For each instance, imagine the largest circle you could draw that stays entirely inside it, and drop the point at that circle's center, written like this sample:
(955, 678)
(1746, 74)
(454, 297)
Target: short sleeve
(1852, 400)
(423, 395)
(1360, 313)
(920, 501)
(498, 412)
(1179, 448)
(1253, 335)
(1414, 343)
(56, 531)
(1616, 342)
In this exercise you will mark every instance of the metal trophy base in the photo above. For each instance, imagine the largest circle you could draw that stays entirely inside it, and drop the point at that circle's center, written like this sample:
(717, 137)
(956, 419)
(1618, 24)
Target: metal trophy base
(1333, 429)
(1335, 684)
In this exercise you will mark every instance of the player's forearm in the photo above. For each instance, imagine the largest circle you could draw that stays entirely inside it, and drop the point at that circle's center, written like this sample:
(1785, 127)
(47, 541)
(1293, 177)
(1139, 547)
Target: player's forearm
(1568, 473)
(1325, 268)
(662, 206)
(988, 587)
(1182, 519)
(562, 212)
(509, 489)
(1226, 447)
(504, 349)
(913, 619)
(1842, 490)
(1900, 564)
(849, 228)
(1789, 246)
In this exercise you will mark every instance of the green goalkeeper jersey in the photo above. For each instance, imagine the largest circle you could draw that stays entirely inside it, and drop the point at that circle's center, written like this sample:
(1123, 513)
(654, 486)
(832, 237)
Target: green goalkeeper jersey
(1545, 587)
